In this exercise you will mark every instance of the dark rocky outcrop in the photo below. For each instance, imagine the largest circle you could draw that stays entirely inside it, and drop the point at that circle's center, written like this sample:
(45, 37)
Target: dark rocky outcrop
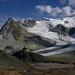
(71, 31)
(61, 30)
(26, 56)
(7, 27)
(30, 22)
(50, 27)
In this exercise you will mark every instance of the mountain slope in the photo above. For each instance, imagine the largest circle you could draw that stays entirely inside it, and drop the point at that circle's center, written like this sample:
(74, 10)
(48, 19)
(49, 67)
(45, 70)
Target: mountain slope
(14, 36)
(61, 30)
(8, 60)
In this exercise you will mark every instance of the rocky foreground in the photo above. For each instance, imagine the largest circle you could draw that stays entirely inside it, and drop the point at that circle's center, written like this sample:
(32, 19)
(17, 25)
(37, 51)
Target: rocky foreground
(12, 65)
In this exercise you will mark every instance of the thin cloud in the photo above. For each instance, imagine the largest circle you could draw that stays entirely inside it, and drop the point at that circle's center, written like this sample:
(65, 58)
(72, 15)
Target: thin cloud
(72, 2)
(63, 1)
(2, 20)
(69, 2)
(1, 24)
(56, 11)
(68, 11)
(44, 8)
(17, 18)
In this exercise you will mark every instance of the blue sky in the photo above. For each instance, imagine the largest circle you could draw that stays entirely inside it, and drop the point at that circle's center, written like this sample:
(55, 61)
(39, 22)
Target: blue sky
(24, 8)
(19, 9)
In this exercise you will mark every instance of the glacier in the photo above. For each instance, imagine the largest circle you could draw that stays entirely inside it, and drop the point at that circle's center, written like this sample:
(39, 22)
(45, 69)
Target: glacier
(41, 28)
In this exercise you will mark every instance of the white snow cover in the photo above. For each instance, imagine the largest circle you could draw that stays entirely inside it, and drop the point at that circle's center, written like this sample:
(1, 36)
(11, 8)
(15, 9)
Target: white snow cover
(41, 28)
(70, 20)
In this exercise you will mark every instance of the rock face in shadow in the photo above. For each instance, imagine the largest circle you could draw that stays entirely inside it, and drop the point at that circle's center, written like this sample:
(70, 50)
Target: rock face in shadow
(15, 37)
(27, 56)
(72, 31)
(62, 30)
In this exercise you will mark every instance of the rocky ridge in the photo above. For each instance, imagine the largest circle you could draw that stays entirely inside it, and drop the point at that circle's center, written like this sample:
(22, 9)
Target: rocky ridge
(14, 36)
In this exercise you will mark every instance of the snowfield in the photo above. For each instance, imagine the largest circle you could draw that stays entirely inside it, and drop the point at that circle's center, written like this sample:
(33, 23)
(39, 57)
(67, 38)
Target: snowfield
(41, 28)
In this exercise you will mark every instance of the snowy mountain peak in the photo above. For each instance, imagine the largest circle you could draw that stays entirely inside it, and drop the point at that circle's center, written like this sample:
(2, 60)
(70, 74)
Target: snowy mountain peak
(49, 27)
(8, 26)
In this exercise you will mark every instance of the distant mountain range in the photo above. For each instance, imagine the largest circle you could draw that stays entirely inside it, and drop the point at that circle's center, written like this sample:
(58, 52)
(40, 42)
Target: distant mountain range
(34, 34)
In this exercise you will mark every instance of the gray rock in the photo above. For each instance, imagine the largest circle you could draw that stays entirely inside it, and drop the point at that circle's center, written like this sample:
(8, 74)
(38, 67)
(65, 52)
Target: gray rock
(15, 37)
(60, 29)
(72, 31)
(30, 22)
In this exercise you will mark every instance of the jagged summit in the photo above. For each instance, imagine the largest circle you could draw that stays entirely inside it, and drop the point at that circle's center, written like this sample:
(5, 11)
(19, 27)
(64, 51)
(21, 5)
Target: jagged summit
(10, 18)
(29, 22)
(8, 26)
(9, 21)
